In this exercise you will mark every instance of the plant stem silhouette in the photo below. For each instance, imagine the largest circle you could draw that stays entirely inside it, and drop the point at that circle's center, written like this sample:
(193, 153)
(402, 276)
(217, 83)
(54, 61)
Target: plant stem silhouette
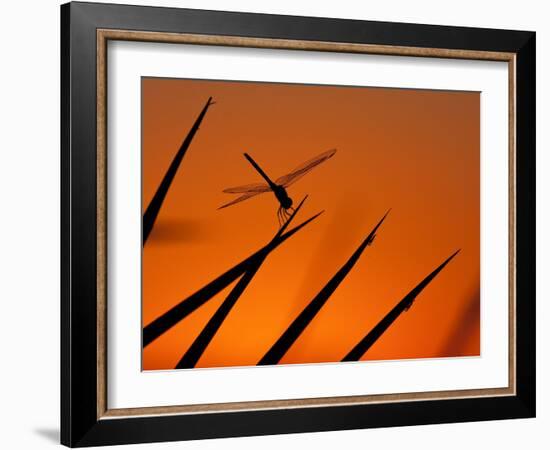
(152, 211)
(178, 312)
(199, 345)
(287, 339)
(368, 341)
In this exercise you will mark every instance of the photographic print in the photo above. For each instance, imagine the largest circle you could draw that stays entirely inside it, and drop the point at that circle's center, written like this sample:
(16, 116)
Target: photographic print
(278, 224)
(301, 224)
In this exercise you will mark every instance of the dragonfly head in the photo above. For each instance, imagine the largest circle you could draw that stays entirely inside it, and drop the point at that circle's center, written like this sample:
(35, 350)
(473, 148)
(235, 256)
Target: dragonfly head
(286, 202)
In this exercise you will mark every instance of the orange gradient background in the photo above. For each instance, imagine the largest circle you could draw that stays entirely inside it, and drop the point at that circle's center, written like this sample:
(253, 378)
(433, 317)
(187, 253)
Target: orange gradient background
(415, 151)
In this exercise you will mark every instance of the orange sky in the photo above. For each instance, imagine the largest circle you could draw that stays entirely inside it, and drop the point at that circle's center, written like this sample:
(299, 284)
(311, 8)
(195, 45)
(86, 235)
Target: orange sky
(414, 151)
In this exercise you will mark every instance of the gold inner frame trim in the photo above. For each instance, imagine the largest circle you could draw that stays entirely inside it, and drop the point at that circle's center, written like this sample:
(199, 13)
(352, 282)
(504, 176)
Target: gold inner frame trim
(103, 36)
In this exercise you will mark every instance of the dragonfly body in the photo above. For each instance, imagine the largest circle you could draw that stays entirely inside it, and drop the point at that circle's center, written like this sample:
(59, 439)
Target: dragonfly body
(278, 187)
(282, 196)
(278, 190)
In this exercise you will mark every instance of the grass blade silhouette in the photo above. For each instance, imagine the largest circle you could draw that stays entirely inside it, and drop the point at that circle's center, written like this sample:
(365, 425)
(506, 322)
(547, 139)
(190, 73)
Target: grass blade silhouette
(283, 344)
(368, 341)
(178, 312)
(199, 345)
(152, 211)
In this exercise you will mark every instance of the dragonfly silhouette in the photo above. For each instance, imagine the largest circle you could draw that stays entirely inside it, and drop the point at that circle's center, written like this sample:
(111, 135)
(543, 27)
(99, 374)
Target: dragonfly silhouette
(278, 187)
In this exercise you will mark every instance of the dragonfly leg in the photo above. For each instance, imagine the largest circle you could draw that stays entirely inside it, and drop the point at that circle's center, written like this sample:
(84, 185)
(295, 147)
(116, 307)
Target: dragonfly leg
(282, 215)
(279, 217)
(287, 214)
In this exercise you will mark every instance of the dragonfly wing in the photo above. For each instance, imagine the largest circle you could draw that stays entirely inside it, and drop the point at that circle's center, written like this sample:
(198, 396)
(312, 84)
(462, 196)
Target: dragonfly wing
(241, 199)
(256, 188)
(302, 169)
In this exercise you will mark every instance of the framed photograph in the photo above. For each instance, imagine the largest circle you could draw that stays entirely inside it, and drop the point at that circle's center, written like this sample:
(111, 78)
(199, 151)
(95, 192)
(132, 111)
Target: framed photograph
(276, 224)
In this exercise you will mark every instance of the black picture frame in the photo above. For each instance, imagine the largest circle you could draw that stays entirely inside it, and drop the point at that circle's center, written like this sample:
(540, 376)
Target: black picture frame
(80, 424)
